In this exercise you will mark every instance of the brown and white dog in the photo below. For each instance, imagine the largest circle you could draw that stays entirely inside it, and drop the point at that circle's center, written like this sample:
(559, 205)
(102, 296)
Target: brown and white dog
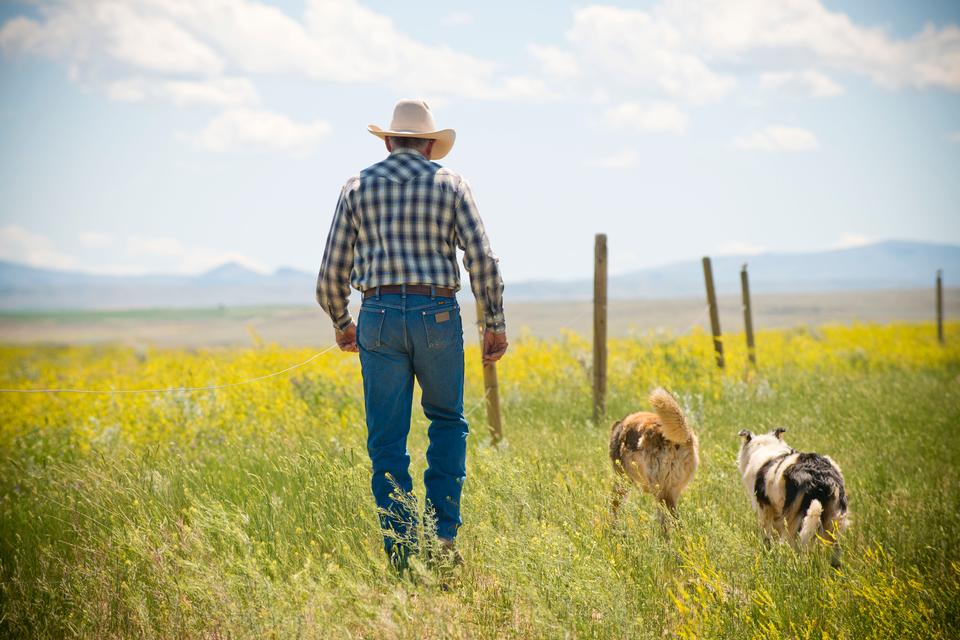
(658, 451)
(797, 495)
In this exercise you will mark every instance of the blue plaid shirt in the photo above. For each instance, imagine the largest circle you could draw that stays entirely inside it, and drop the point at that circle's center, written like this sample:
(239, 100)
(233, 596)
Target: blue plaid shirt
(400, 222)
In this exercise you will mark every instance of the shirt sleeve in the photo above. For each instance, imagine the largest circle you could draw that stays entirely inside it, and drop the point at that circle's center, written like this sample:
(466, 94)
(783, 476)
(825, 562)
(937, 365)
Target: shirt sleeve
(333, 281)
(479, 260)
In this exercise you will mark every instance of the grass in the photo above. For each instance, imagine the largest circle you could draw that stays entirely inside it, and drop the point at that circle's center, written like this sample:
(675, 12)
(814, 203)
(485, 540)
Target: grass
(246, 513)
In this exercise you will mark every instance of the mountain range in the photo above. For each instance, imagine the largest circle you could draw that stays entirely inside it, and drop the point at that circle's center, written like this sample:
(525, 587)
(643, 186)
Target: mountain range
(883, 265)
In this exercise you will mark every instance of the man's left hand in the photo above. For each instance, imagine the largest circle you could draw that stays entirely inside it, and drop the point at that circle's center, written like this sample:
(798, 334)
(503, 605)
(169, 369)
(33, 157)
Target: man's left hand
(347, 339)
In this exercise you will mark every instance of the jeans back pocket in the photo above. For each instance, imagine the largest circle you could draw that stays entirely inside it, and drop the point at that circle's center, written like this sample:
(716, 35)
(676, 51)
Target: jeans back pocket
(369, 328)
(443, 327)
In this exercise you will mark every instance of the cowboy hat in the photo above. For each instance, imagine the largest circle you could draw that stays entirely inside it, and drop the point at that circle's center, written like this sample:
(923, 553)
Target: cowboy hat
(413, 119)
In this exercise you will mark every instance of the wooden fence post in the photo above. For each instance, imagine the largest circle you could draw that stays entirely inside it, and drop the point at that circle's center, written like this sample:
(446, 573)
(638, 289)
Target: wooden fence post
(747, 315)
(940, 306)
(599, 327)
(714, 313)
(491, 389)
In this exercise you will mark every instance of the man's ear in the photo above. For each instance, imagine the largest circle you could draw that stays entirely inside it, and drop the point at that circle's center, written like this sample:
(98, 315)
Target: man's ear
(746, 435)
(779, 431)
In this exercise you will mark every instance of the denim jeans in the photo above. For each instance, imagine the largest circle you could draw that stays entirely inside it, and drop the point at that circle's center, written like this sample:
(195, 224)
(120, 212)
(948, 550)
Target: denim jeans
(402, 337)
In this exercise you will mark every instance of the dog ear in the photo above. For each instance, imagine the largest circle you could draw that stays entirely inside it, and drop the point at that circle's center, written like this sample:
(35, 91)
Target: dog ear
(745, 434)
(779, 431)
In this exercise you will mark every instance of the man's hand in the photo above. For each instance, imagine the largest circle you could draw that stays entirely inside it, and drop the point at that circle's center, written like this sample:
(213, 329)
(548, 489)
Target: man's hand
(494, 346)
(347, 339)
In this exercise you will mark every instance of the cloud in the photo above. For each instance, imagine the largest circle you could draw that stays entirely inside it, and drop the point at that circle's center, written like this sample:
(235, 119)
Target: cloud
(658, 117)
(172, 256)
(220, 91)
(95, 34)
(336, 41)
(809, 81)
(26, 247)
(849, 240)
(135, 254)
(741, 249)
(693, 50)
(251, 129)
(778, 138)
(95, 240)
(625, 159)
(555, 62)
(635, 48)
(457, 18)
(954, 137)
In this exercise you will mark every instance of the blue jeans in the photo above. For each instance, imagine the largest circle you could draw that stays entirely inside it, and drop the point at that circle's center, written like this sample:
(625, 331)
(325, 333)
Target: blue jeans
(402, 337)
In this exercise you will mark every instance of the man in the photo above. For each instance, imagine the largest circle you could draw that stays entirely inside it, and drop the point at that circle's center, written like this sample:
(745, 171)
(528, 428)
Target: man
(394, 237)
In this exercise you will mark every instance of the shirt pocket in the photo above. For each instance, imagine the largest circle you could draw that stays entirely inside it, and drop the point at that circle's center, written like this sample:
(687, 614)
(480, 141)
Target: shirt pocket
(370, 328)
(443, 327)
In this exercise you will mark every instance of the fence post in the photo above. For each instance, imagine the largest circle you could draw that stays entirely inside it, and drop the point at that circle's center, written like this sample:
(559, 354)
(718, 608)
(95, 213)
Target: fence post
(747, 315)
(599, 327)
(940, 306)
(714, 313)
(491, 389)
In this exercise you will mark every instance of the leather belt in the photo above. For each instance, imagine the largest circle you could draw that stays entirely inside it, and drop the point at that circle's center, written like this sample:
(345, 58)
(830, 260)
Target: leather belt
(423, 289)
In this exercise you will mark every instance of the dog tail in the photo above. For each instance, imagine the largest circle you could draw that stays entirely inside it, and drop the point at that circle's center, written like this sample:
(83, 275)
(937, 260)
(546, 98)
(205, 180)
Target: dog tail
(811, 522)
(675, 427)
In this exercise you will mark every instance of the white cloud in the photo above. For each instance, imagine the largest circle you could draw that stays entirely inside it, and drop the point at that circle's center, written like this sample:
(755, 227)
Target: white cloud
(954, 137)
(220, 91)
(337, 41)
(457, 18)
(741, 249)
(632, 47)
(738, 29)
(809, 81)
(778, 138)
(646, 118)
(625, 159)
(135, 254)
(849, 240)
(20, 245)
(555, 62)
(96, 240)
(175, 257)
(692, 50)
(249, 129)
(93, 34)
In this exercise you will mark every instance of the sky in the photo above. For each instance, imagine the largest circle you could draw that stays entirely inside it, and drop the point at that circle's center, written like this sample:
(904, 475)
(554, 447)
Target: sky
(171, 136)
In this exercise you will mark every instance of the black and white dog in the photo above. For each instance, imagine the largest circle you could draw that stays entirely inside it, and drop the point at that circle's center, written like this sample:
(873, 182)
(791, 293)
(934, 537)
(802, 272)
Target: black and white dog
(797, 495)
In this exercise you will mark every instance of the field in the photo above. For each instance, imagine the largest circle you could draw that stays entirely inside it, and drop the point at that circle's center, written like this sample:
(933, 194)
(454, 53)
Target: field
(308, 326)
(246, 512)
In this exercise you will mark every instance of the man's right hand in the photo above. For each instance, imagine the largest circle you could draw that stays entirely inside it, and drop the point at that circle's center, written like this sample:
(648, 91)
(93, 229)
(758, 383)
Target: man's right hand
(494, 346)
(347, 339)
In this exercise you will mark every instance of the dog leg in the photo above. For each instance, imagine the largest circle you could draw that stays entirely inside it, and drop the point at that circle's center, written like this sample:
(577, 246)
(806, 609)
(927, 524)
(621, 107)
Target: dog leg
(619, 492)
(667, 513)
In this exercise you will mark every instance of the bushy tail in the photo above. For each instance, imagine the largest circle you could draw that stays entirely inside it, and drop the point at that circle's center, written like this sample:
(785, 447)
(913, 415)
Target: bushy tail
(811, 522)
(675, 428)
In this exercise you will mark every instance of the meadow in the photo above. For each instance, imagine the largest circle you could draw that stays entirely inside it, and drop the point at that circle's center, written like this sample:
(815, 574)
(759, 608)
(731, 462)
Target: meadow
(246, 512)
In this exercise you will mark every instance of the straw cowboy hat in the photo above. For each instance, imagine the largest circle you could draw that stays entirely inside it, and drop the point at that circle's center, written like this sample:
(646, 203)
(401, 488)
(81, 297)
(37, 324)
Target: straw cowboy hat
(413, 119)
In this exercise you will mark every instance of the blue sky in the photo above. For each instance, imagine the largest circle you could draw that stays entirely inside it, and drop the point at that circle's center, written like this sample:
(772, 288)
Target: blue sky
(174, 135)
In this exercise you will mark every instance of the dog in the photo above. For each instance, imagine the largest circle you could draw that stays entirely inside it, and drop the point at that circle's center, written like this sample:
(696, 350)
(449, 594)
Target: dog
(796, 495)
(658, 451)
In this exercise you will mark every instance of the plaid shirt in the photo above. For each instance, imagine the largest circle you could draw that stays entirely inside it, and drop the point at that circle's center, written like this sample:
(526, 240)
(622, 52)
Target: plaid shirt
(400, 222)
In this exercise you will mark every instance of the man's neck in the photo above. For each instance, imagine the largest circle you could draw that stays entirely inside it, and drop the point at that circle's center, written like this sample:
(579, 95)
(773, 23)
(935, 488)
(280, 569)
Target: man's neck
(407, 150)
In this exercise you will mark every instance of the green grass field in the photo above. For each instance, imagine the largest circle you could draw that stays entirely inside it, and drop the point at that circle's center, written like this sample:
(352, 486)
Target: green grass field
(246, 513)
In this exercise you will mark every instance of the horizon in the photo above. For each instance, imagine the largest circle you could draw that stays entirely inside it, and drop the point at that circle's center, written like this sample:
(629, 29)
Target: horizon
(149, 139)
(287, 268)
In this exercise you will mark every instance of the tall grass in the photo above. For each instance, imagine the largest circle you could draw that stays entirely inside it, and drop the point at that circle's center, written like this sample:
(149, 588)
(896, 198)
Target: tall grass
(247, 512)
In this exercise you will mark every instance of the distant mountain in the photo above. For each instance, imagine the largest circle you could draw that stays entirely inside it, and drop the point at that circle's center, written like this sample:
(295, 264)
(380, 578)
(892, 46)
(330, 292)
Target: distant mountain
(885, 265)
